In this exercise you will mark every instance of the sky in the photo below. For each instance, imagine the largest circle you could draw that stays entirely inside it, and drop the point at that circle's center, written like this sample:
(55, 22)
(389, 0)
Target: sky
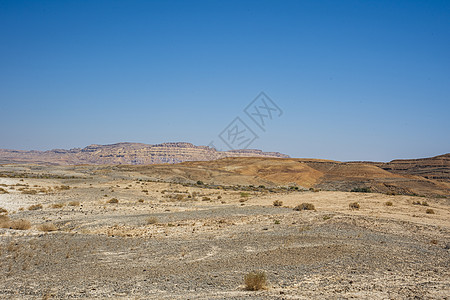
(351, 80)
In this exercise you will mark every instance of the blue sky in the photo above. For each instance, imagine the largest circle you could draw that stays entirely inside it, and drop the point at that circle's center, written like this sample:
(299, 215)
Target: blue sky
(356, 80)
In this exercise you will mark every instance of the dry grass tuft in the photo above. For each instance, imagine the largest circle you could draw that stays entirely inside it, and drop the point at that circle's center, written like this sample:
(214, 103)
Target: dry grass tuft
(152, 220)
(35, 207)
(354, 206)
(20, 224)
(47, 227)
(255, 281)
(305, 206)
(277, 203)
(57, 205)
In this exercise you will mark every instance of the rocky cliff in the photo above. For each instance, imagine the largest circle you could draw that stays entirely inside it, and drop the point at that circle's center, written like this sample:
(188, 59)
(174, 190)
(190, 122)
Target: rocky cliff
(128, 153)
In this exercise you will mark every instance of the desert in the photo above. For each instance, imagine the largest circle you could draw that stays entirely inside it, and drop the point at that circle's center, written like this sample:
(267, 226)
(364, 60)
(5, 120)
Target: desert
(159, 232)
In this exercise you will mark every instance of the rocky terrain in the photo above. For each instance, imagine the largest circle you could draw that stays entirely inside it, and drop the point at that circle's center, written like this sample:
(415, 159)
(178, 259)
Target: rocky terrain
(128, 153)
(179, 232)
(436, 168)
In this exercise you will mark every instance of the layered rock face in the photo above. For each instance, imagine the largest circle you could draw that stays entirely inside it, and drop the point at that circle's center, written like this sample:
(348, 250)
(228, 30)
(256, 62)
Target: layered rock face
(129, 153)
(437, 168)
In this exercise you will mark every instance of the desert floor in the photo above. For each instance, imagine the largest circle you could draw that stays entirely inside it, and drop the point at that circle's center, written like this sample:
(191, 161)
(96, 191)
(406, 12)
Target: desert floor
(169, 241)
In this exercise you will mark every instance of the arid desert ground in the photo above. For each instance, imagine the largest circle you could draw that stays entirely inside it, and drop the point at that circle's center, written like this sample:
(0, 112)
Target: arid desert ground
(82, 232)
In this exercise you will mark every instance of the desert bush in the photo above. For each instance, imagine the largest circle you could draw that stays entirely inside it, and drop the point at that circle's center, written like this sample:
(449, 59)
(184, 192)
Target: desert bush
(2, 210)
(35, 207)
(277, 203)
(430, 211)
(305, 206)
(141, 200)
(361, 190)
(206, 199)
(425, 203)
(152, 220)
(4, 221)
(3, 191)
(255, 281)
(20, 224)
(57, 205)
(145, 191)
(47, 227)
(74, 203)
(219, 197)
(64, 187)
(314, 190)
(388, 203)
(200, 182)
(244, 194)
(113, 201)
(276, 222)
(416, 202)
(354, 205)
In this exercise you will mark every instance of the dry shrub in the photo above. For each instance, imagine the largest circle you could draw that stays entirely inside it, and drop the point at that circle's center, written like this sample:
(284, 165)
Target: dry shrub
(152, 220)
(74, 203)
(35, 207)
(47, 227)
(63, 187)
(277, 203)
(255, 281)
(430, 211)
(3, 191)
(388, 203)
(245, 194)
(305, 206)
(4, 221)
(57, 205)
(354, 205)
(206, 199)
(20, 224)
(141, 200)
(2, 210)
(113, 201)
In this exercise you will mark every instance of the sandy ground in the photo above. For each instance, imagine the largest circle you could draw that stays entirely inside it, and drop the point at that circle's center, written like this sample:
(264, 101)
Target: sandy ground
(169, 241)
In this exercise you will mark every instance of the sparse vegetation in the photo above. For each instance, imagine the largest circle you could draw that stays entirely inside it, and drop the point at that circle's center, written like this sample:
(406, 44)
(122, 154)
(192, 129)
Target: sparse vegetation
(3, 211)
(244, 194)
(255, 281)
(141, 200)
(47, 227)
(430, 211)
(277, 203)
(3, 191)
(74, 203)
(57, 205)
(388, 203)
(20, 224)
(35, 207)
(152, 220)
(354, 206)
(113, 201)
(305, 206)
(361, 190)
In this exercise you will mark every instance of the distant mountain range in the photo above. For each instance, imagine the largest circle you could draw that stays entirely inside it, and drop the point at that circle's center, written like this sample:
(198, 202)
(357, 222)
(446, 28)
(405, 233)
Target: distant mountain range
(128, 153)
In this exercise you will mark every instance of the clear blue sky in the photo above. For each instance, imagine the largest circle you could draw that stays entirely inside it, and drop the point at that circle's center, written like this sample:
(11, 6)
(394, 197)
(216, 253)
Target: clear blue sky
(356, 80)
